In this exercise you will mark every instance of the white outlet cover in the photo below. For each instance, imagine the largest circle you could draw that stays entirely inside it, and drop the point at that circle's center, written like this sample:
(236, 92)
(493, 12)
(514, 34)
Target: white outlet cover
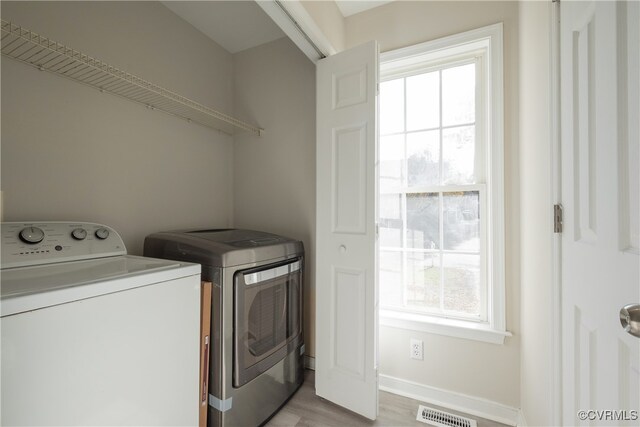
(416, 349)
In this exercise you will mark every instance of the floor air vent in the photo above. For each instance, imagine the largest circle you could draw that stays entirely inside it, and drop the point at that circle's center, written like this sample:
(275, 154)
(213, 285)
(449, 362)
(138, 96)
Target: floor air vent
(439, 418)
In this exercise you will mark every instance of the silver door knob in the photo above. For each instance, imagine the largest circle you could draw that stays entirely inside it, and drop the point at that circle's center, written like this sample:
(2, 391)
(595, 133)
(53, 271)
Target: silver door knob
(343, 249)
(630, 319)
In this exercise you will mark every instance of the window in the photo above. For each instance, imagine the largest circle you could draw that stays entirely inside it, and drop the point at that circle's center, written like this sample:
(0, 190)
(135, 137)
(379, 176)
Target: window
(441, 231)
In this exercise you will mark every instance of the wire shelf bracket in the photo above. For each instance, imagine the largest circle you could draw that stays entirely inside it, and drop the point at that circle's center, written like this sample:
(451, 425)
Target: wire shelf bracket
(33, 49)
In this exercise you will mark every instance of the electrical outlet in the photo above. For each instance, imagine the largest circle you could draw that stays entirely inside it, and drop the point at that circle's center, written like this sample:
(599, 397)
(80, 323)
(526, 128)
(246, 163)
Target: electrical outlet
(416, 348)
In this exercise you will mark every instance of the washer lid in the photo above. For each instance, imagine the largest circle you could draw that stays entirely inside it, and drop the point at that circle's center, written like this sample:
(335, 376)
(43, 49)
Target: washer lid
(32, 288)
(235, 238)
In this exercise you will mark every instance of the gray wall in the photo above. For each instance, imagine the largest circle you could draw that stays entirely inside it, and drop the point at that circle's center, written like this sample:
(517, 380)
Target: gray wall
(535, 188)
(72, 153)
(274, 175)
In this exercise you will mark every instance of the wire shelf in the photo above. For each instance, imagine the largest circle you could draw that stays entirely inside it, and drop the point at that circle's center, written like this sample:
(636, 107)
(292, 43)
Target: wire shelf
(47, 55)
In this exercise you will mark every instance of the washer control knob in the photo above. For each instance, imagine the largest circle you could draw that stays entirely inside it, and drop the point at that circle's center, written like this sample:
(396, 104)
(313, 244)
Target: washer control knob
(31, 235)
(79, 234)
(102, 233)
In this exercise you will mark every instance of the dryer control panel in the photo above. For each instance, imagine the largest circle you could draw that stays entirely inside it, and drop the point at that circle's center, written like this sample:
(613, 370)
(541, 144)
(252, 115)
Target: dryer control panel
(35, 243)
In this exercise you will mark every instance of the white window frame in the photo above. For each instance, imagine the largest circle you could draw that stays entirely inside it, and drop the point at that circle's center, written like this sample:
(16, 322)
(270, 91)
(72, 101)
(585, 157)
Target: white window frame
(486, 45)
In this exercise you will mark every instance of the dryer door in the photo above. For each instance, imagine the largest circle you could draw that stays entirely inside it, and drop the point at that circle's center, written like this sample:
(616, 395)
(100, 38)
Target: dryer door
(267, 317)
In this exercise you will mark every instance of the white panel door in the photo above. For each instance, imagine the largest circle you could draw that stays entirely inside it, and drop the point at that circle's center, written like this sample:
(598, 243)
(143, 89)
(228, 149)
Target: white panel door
(346, 292)
(600, 188)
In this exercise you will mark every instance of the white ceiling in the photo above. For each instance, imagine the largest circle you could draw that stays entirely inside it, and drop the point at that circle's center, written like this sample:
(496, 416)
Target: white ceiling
(351, 7)
(234, 25)
(239, 25)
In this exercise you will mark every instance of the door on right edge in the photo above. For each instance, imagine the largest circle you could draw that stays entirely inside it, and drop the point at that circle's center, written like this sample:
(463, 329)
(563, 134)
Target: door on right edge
(600, 163)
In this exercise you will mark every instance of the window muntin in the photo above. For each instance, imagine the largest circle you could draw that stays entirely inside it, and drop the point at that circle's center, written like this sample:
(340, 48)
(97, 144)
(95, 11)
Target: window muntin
(432, 192)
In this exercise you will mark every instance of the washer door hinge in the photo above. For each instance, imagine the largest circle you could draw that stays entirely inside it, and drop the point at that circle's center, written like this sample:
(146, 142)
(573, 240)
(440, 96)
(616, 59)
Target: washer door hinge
(557, 218)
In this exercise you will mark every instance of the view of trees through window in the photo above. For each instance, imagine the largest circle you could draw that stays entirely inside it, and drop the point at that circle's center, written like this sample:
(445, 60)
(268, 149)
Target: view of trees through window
(431, 193)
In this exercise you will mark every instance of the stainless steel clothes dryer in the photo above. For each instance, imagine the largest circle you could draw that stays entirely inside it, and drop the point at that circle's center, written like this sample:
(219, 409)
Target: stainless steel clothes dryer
(256, 360)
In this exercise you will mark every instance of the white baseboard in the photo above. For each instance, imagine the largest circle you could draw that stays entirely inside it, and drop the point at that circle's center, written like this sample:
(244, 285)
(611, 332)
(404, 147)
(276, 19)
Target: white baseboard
(459, 402)
(309, 362)
(522, 422)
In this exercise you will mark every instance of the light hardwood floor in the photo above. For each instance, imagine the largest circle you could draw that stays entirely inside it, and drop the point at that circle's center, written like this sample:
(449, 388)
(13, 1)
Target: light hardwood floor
(305, 409)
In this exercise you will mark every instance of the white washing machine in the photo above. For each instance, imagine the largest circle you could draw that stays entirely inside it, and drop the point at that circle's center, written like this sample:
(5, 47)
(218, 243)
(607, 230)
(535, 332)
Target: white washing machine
(93, 336)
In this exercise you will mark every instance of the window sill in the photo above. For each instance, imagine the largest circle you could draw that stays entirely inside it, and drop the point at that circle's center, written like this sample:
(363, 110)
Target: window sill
(443, 326)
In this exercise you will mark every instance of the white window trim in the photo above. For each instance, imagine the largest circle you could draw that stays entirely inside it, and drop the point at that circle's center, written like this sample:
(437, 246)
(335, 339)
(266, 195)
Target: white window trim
(443, 326)
(487, 41)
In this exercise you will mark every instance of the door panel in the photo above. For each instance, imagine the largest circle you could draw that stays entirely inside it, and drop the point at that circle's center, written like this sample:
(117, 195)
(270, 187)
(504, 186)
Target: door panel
(346, 318)
(600, 265)
(349, 179)
(629, 125)
(348, 293)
